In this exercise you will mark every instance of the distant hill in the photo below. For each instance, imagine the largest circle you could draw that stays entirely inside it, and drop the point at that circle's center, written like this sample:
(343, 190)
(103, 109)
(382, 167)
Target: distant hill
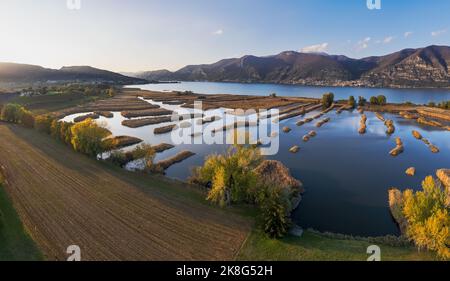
(24, 73)
(423, 67)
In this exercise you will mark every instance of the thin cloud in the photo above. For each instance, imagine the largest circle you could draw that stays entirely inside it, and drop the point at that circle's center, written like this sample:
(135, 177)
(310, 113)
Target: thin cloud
(319, 48)
(363, 44)
(438, 32)
(388, 40)
(218, 32)
(407, 34)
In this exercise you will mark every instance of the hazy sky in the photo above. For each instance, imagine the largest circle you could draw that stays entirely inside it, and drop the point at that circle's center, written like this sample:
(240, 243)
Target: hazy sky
(136, 35)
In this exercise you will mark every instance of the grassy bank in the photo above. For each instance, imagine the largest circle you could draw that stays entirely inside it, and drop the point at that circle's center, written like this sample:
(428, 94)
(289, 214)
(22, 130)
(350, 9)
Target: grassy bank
(15, 244)
(317, 247)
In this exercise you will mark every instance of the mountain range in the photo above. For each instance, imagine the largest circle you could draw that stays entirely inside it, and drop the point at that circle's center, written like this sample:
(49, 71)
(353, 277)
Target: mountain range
(25, 73)
(408, 68)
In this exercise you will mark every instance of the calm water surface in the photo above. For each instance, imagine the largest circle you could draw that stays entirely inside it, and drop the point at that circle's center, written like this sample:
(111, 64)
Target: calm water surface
(419, 96)
(346, 175)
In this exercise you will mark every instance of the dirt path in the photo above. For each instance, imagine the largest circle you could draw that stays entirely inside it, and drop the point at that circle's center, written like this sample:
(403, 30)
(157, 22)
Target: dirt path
(64, 198)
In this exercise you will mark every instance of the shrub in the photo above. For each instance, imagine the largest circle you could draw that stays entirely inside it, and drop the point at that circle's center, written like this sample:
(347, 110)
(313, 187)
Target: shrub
(27, 119)
(146, 152)
(43, 123)
(88, 136)
(327, 100)
(120, 158)
(231, 172)
(15, 113)
(111, 92)
(11, 113)
(273, 95)
(427, 217)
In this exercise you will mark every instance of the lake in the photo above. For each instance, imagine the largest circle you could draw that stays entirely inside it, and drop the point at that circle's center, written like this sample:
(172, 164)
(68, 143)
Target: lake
(346, 175)
(418, 96)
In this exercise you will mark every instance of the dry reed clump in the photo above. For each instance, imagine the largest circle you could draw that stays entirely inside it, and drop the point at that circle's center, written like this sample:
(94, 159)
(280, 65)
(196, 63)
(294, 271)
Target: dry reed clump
(209, 119)
(380, 117)
(432, 147)
(147, 112)
(274, 172)
(165, 164)
(322, 122)
(106, 114)
(236, 125)
(86, 116)
(411, 171)
(408, 115)
(136, 123)
(300, 123)
(312, 134)
(298, 113)
(362, 124)
(294, 149)
(123, 141)
(438, 113)
(433, 123)
(342, 108)
(185, 124)
(390, 127)
(398, 149)
(395, 206)
(164, 129)
(417, 135)
(162, 147)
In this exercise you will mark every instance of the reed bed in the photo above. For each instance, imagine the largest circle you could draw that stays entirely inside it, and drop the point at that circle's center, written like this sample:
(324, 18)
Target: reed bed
(167, 163)
(136, 123)
(86, 116)
(164, 129)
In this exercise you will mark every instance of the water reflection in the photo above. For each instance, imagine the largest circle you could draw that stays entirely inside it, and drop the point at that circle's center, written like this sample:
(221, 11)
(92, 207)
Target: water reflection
(346, 175)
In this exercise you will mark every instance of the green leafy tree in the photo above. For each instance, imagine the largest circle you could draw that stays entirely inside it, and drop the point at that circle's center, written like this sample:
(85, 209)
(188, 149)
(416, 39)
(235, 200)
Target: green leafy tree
(381, 100)
(361, 101)
(274, 211)
(352, 101)
(373, 100)
(11, 112)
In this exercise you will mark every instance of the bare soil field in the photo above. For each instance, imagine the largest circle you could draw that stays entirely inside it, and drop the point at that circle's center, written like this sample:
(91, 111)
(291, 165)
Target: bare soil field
(64, 198)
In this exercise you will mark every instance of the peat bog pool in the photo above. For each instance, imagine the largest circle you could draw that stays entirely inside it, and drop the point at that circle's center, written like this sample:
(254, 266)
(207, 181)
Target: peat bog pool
(346, 175)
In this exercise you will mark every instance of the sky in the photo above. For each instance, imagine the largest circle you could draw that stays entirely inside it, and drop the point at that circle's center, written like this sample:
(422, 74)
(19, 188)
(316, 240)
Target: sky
(141, 35)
